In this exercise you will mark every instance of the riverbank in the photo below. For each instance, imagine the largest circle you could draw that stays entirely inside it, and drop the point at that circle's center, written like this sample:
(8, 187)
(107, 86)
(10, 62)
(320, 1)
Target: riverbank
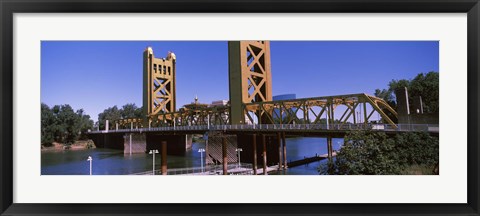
(77, 145)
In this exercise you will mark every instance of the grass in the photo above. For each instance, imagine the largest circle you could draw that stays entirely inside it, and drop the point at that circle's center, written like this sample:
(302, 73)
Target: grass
(419, 170)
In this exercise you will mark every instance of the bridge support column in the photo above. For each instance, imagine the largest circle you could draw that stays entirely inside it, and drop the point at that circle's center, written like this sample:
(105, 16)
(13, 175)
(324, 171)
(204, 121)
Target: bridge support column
(130, 144)
(224, 154)
(254, 154)
(280, 152)
(164, 157)
(284, 143)
(365, 116)
(329, 148)
(264, 155)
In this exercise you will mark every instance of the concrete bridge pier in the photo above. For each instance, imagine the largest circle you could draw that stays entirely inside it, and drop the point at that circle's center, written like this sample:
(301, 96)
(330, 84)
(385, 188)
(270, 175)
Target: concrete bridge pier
(134, 143)
(129, 145)
(329, 148)
(164, 157)
(280, 152)
(224, 155)
(254, 154)
(177, 144)
(284, 143)
(110, 141)
(264, 154)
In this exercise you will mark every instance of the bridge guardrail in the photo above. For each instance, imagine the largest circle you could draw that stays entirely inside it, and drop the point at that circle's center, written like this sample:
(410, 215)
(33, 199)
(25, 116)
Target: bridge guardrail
(233, 169)
(319, 127)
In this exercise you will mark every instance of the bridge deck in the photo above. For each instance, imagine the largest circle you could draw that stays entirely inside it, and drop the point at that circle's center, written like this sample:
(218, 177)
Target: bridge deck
(292, 128)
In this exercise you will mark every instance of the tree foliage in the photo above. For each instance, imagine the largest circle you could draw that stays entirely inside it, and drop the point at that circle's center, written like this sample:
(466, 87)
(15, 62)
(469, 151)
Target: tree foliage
(417, 149)
(47, 125)
(368, 154)
(111, 114)
(131, 110)
(374, 153)
(425, 85)
(62, 124)
(114, 113)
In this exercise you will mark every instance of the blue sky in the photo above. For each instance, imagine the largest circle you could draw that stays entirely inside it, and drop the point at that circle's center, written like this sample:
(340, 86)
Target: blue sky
(95, 75)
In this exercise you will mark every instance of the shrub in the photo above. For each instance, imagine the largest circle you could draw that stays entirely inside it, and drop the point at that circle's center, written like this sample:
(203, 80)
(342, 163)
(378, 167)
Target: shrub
(375, 153)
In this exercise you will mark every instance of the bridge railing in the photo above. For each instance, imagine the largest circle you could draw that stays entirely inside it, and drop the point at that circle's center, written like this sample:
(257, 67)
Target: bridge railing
(232, 169)
(292, 127)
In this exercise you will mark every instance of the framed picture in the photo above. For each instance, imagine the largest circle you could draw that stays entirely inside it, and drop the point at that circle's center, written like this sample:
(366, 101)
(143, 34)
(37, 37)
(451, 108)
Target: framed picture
(246, 108)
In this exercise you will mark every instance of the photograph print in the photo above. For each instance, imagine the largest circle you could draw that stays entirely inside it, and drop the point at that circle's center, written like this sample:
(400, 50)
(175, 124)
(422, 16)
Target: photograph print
(239, 108)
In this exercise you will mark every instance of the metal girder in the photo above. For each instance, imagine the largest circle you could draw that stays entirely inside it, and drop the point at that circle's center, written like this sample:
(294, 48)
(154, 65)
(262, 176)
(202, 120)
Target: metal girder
(217, 115)
(305, 106)
(130, 123)
(289, 110)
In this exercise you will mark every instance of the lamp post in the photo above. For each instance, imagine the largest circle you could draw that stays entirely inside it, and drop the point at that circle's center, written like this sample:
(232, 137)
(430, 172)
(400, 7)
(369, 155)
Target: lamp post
(238, 150)
(201, 157)
(154, 151)
(90, 160)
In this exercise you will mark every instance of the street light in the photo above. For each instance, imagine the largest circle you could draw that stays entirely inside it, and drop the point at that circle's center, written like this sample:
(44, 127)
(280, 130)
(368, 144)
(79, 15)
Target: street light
(201, 157)
(238, 150)
(155, 151)
(90, 160)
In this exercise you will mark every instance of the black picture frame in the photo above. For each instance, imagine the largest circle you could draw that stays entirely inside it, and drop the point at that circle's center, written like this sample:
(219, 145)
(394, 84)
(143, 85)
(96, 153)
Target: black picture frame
(9, 7)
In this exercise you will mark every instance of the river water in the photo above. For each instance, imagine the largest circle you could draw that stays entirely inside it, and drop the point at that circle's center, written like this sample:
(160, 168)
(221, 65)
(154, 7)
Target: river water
(115, 162)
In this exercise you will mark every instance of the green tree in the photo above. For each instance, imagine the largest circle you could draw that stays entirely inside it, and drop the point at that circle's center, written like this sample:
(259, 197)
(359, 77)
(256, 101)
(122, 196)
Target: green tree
(367, 153)
(425, 85)
(58, 127)
(47, 121)
(83, 124)
(68, 119)
(374, 153)
(130, 110)
(111, 114)
(394, 84)
(417, 149)
(62, 124)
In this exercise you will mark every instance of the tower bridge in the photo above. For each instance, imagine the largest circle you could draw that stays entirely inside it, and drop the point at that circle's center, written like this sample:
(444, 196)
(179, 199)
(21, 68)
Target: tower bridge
(250, 117)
